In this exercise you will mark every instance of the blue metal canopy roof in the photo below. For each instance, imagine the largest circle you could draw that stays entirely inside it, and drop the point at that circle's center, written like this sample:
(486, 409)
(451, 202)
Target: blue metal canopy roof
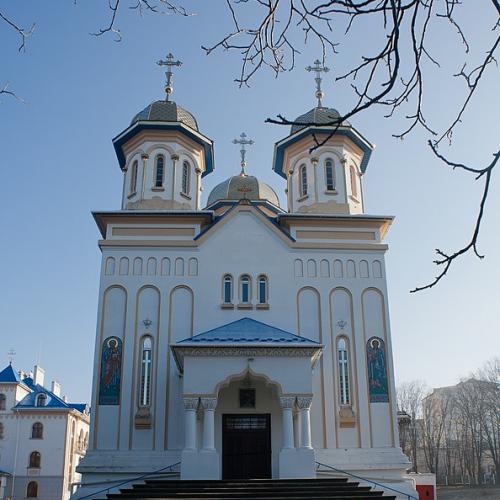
(248, 331)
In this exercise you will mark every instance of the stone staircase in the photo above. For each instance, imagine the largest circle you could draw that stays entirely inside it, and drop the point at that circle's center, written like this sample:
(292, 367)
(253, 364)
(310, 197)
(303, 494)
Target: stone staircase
(255, 489)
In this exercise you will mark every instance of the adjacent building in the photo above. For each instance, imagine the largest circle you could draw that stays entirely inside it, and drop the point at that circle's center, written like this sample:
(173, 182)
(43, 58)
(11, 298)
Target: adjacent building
(42, 437)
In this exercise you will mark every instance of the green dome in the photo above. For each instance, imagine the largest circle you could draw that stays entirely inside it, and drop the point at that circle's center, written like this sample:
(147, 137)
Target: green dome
(239, 187)
(165, 111)
(318, 115)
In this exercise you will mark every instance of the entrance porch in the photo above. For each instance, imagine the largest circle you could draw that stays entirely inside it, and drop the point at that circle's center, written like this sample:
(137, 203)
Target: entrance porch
(247, 403)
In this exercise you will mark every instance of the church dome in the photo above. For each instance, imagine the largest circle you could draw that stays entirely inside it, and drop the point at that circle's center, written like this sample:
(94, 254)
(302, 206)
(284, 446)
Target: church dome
(239, 187)
(166, 111)
(319, 115)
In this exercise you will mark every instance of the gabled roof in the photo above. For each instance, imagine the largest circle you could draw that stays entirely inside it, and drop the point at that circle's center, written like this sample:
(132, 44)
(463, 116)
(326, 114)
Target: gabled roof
(8, 375)
(247, 331)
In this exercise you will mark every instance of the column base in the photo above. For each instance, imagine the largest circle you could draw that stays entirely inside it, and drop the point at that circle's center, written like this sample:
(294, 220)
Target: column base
(203, 464)
(297, 463)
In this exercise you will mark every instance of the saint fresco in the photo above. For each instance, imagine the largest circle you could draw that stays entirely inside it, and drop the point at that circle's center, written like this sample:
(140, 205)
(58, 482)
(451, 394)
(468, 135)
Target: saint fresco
(111, 363)
(377, 371)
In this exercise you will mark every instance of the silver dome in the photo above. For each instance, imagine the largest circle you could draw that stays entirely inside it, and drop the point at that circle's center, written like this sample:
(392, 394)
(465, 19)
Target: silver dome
(318, 115)
(165, 111)
(239, 187)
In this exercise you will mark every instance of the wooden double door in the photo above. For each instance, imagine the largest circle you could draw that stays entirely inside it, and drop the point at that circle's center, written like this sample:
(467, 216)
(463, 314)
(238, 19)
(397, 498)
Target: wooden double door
(246, 446)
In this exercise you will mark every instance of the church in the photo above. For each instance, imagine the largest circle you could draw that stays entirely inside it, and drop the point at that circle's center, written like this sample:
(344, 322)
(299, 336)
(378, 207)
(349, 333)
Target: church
(242, 339)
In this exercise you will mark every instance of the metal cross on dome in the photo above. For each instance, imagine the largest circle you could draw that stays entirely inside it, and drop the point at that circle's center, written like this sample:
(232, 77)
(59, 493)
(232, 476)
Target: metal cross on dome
(243, 141)
(318, 68)
(169, 63)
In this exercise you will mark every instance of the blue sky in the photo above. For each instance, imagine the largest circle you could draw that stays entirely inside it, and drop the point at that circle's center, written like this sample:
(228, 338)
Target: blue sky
(58, 164)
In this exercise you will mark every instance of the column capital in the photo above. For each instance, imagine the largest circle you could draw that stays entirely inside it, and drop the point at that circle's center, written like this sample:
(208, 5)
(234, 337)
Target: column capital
(208, 403)
(191, 403)
(287, 402)
(304, 402)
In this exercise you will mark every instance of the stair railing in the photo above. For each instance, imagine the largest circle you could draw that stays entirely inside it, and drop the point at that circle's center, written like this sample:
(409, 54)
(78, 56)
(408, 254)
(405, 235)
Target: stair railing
(379, 485)
(128, 481)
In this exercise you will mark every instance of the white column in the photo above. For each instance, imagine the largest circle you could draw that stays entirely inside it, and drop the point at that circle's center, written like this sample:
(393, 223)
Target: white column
(296, 429)
(208, 405)
(304, 404)
(190, 407)
(286, 403)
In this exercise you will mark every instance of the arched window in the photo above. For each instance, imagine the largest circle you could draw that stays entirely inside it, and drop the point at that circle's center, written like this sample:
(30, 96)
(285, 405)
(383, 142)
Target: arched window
(37, 431)
(303, 180)
(133, 177)
(344, 383)
(32, 489)
(146, 366)
(245, 289)
(186, 178)
(354, 184)
(35, 460)
(159, 171)
(329, 175)
(1, 430)
(228, 289)
(3, 401)
(262, 290)
(41, 400)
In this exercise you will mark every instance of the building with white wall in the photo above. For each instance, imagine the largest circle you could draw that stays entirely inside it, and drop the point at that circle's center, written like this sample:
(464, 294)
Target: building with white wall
(242, 339)
(42, 437)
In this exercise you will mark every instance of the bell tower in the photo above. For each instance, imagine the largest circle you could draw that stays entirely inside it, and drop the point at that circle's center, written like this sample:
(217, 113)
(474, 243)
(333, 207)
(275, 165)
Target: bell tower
(324, 179)
(163, 155)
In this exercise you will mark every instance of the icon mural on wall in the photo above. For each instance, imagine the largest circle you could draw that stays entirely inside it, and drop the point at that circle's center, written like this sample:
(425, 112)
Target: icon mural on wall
(377, 371)
(111, 370)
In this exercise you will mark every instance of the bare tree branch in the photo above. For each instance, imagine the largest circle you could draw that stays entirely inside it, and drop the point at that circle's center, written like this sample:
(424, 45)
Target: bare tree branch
(447, 259)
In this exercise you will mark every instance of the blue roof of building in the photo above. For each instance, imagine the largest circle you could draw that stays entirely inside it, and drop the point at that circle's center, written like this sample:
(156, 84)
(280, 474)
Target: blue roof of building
(247, 331)
(8, 375)
(29, 401)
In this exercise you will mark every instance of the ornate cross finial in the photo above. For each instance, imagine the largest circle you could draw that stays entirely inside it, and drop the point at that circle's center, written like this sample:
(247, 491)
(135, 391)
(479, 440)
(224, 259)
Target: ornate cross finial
(318, 68)
(169, 63)
(243, 141)
(11, 355)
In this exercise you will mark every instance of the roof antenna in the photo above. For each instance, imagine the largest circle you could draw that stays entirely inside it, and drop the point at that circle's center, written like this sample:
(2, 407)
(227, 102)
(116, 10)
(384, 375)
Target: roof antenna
(318, 68)
(169, 63)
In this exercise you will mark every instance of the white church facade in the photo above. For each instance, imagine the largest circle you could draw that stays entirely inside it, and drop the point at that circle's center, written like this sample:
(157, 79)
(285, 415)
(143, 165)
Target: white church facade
(242, 339)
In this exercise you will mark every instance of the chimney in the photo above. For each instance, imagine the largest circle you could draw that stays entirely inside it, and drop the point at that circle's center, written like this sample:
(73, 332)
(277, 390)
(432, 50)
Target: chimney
(56, 388)
(38, 375)
(65, 399)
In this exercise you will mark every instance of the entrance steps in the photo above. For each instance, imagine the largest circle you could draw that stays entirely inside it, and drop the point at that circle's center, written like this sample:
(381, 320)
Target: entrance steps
(252, 489)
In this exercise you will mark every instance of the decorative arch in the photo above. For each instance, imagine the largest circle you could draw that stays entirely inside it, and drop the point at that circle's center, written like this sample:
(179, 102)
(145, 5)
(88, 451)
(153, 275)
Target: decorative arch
(329, 174)
(234, 377)
(227, 288)
(262, 289)
(159, 148)
(109, 268)
(186, 178)
(324, 268)
(193, 266)
(179, 266)
(298, 267)
(3, 401)
(137, 268)
(364, 271)
(124, 266)
(351, 269)
(303, 181)
(245, 289)
(377, 269)
(165, 266)
(151, 267)
(312, 271)
(134, 175)
(338, 269)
